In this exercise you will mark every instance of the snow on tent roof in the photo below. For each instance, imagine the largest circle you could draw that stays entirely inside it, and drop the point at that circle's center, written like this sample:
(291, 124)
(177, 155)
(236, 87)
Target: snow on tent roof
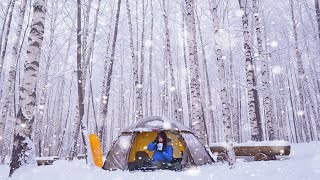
(157, 123)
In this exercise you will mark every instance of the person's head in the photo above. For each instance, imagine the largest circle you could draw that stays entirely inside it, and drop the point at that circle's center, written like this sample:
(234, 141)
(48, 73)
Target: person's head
(162, 137)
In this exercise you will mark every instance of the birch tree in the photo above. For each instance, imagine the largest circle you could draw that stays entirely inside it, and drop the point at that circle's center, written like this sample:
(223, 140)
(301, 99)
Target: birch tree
(150, 60)
(6, 13)
(226, 115)
(8, 100)
(81, 124)
(23, 148)
(110, 67)
(140, 86)
(103, 110)
(168, 61)
(266, 95)
(302, 83)
(6, 37)
(252, 92)
(197, 117)
(205, 64)
(134, 63)
(316, 4)
(187, 84)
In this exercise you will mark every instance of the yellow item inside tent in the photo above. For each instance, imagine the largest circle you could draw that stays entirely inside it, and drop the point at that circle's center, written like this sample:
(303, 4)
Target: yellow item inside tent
(144, 138)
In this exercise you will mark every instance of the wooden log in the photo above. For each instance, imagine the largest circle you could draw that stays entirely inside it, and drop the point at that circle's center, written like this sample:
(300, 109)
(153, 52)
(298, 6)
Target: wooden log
(253, 150)
(264, 157)
(81, 156)
(42, 161)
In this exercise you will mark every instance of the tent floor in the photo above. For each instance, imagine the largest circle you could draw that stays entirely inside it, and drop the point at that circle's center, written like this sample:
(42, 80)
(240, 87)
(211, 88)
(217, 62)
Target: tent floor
(148, 165)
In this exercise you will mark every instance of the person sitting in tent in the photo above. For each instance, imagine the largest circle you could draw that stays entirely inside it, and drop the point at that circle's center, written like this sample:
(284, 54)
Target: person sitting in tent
(163, 152)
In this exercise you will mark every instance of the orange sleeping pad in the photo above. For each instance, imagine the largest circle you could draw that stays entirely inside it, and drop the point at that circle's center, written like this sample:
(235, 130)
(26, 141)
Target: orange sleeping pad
(96, 150)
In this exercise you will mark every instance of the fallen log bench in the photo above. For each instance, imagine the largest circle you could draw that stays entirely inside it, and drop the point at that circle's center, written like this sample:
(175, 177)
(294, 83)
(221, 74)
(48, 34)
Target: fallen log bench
(259, 152)
(43, 161)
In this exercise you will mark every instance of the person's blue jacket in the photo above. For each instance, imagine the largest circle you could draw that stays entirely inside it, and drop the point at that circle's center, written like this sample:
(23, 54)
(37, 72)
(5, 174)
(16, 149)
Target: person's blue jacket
(165, 155)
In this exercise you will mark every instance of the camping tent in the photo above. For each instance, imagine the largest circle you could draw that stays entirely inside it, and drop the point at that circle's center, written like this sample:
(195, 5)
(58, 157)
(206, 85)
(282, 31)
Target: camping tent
(131, 146)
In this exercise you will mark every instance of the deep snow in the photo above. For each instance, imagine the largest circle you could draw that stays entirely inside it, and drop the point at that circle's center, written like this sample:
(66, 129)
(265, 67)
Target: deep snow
(303, 163)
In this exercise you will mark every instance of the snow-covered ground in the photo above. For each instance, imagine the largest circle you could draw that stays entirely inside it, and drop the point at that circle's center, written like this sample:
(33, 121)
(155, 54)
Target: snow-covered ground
(304, 163)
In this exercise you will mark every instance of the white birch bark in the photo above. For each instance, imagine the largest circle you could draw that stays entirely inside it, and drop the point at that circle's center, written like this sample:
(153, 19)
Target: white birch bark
(226, 115)
(4, 23)
(23, 148)
(205, 67)
(302, 83)
(317, 7)
(45, 86)
(150, 61)
(140, 86)
(197, 118)
(133, 59)
(102, 109)
(6, 37)
(8, 99)
(81, 123)
(252, 93)
(168, 56)
(110, 70)
(266, 95)
(186, 68)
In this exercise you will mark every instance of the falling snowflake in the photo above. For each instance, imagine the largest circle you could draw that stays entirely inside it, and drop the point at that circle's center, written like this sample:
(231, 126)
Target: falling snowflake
(300, 113)
(23, 125)
(274, 44)
(148, 44)
(124, 142)
(139, 86)
(172, 88)
(276, 70)
(104, 97)
(162, 82)
(41, 107)
(239, 13)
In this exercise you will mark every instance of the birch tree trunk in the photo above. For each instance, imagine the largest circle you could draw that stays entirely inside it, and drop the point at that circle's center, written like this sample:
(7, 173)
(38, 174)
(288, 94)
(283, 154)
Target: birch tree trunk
(61, 136)
(210, 106)
(253, 99)
(133, 59)
(266, 95)
(140, 86)
(226, 115)
(85, 46)
(81, 124)
(168, 56)
(8, 99)
(110, 68)
(121, 117)
(302, 83)
(6, 37)
(4, 24)
(103, 92)
(316, 4)
(197, 117)
(45, 86)
(150, 61)
(23, 148)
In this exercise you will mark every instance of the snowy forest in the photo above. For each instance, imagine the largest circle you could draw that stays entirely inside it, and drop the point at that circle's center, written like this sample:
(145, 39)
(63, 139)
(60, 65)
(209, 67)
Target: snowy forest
(232, 71)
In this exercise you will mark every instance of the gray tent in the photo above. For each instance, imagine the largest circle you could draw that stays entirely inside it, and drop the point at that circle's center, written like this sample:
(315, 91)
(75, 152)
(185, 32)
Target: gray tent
(131, 146)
